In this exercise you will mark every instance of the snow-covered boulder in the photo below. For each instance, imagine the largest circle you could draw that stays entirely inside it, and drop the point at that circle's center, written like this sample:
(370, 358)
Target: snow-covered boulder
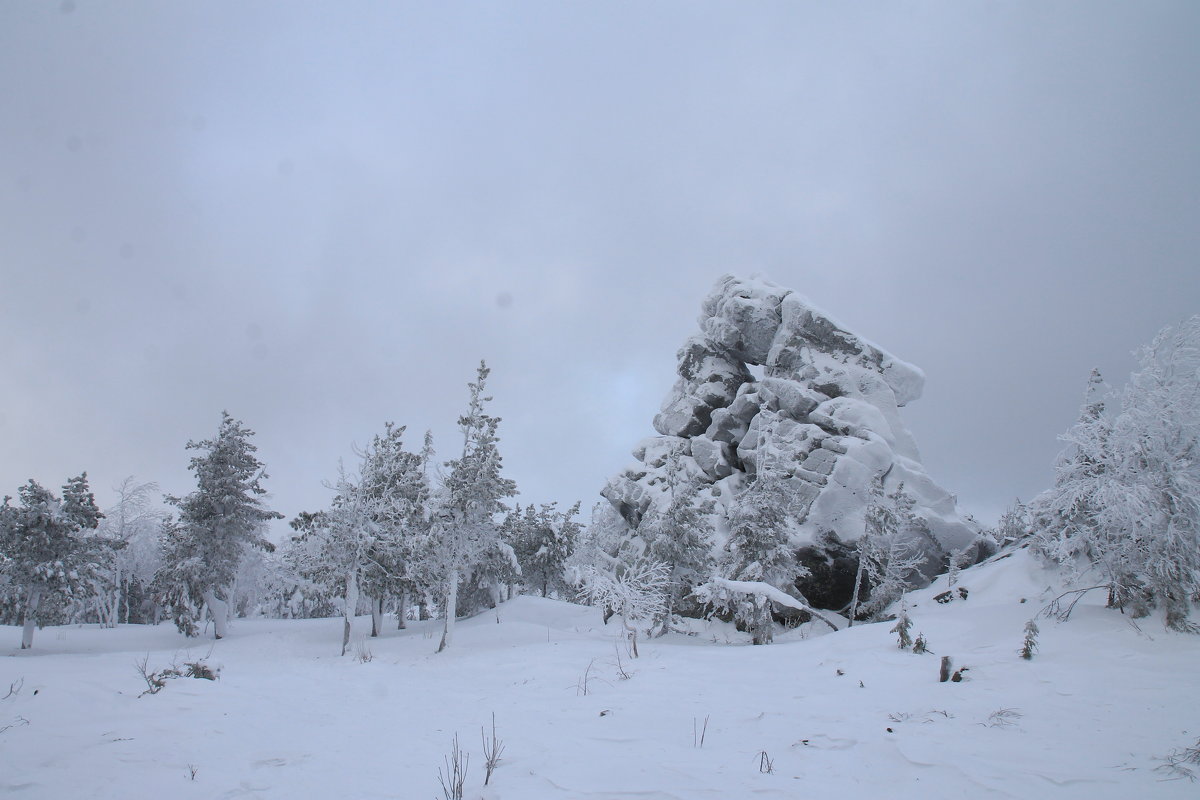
(825, 413)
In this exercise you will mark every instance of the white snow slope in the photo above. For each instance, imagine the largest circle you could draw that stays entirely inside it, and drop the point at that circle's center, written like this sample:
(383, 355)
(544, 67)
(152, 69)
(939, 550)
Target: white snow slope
(1087, 718)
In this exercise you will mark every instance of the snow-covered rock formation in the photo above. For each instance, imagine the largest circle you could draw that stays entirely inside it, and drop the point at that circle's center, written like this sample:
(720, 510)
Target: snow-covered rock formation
(825, 413)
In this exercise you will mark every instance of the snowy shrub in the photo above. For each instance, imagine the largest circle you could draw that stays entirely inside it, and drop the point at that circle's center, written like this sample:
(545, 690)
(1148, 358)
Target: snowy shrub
(1030, 645)
(903, 625)
(636, 593)
(156, 681)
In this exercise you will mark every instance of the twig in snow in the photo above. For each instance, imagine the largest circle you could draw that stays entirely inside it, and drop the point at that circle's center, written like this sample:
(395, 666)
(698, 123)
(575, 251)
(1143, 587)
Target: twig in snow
(1055, 607)
(492, 748)
(456, 772)
(698, 736)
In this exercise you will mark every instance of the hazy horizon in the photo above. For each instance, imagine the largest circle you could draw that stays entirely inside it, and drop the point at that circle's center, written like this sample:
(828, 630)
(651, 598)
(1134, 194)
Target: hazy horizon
(321, 219)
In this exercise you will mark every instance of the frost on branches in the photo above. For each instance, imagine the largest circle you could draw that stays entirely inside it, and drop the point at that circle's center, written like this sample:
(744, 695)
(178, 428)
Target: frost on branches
(465, 542)
(1125, 507)
(758, 550)
(370, 541)
(635, 592)
(544, 540)
(889, 559)
(131, 527)
(217, 524)
(44, 554)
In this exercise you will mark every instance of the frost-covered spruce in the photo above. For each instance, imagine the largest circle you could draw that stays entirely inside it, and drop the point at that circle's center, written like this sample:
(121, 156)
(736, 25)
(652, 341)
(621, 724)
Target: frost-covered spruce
(216, 524)
(887, 559)
(1127, 491)
(902, 628)
(758, 550)
(396, 489)
(544, 540)
(1031, 645)
(680, 537)
(465, 542)
(43, 550)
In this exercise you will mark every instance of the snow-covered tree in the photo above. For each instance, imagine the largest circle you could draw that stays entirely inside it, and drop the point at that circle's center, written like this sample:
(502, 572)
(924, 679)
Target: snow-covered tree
(887, 558)
(396, 490)
(544, 539)
(1030, 645)
(758, 551)
(680, 536)
(334, 546)
(132, 524)
(635, 592)
(46, 552)
(464, 535)
(217, 522)
(1014, 524)
(1068, 517)
(1126, 498)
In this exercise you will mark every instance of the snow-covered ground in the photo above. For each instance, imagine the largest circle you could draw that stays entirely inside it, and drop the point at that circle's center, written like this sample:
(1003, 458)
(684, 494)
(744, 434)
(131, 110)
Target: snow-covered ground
(838, 715)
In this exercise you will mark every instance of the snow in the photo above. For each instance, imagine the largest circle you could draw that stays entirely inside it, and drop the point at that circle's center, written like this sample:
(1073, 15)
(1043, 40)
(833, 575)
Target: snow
(288, 718)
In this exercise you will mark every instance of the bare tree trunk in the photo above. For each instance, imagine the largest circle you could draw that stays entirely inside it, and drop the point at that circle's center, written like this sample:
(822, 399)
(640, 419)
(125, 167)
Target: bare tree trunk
(402, 611)
(376, 616)
(451, 609)
(349, 608)
(219, 610)
(858, 575)
(632, 631)
(31, 608)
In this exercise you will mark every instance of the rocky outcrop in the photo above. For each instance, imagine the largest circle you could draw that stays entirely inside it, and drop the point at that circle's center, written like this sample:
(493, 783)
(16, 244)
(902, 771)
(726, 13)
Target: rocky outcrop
(824, 414)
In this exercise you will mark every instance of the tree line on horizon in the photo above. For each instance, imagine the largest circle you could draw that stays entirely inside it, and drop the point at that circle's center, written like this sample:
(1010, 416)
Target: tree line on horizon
(408, 535)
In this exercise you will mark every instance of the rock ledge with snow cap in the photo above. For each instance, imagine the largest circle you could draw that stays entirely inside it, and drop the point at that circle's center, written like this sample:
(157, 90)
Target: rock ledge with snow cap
(826, 413)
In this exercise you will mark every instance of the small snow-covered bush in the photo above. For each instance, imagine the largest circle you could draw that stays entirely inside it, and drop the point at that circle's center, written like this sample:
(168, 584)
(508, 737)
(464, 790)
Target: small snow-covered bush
(901, 630)
(1030, 646)
(156, 681)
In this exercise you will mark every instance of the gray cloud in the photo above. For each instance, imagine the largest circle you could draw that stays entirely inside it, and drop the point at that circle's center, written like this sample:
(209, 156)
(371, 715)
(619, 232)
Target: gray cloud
(306, 214)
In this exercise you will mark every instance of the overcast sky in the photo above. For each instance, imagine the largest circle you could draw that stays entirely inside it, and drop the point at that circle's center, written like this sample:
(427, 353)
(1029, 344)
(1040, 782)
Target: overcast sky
(321, 216)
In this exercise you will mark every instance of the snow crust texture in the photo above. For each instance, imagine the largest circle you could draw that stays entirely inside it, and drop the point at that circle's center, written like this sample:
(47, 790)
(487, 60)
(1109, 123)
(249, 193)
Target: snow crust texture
(825, 413)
